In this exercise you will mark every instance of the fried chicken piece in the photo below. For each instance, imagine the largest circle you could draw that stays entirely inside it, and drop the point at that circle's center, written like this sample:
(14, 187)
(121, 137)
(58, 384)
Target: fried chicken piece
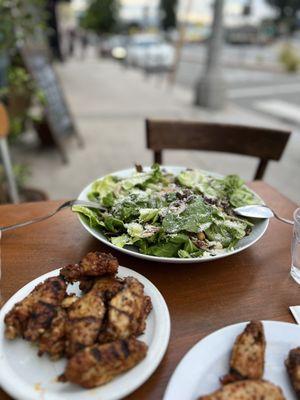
(33, 315)
(248, 354)
(84, 322)
(127, 312)
(247, 390)
(100, 363)
(92, 265)
(292, 364)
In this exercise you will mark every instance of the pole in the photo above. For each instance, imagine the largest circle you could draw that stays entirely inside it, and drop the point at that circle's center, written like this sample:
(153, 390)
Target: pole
(210, 89)
(180, 42)
(12, 186)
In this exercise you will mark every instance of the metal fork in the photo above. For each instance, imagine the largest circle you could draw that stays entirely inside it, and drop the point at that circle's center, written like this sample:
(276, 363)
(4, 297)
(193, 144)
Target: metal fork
(67, 204)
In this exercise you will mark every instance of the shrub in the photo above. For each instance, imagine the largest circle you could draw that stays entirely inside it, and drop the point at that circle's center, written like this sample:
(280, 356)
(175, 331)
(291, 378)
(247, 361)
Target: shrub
(289, 58)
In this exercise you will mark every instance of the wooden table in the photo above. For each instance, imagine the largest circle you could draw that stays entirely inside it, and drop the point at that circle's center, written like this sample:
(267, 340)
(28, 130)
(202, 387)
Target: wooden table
(254, 284)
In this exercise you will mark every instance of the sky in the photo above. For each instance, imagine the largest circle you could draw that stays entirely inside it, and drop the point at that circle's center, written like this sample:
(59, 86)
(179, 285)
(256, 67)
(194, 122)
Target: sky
(200, 9)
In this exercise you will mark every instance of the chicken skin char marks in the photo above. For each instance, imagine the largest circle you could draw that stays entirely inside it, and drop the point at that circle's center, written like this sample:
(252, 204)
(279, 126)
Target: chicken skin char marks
(53, 339)
(33, 315)
(94, 264)
(100, 363)
(247, 390)
(248, 353)
(293, 368)
(127, 312)
(84, 321)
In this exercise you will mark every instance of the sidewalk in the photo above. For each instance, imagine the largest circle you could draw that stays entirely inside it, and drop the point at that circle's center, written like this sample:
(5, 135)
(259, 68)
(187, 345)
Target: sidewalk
(110, 103)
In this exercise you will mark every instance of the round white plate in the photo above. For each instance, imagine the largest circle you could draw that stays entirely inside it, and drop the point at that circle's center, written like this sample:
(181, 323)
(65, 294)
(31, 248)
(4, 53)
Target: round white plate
(199, 371)
(25, 376)
(257, 231)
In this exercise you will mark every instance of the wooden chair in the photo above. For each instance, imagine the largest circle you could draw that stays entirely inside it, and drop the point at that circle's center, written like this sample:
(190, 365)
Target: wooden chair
(266, 144)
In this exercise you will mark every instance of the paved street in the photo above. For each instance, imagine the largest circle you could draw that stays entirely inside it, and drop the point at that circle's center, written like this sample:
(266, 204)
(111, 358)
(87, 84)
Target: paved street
(250, 87)
(110, 104)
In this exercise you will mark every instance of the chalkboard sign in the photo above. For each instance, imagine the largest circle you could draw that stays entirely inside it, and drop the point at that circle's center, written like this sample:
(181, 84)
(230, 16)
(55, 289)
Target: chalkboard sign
(57, 114)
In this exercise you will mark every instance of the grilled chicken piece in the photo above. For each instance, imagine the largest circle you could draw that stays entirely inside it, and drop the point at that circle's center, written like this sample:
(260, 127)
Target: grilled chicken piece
(107, 285)
(293, 368)
(33, 315)
(53, 340)
(248, 354)
(69, 300)
(247, 390)
(84, 321)
(86, 284)
(127, 312)
(92, 265)
(99, 364)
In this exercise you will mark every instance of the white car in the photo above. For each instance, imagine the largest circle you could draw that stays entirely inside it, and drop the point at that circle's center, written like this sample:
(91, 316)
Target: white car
(150, 52)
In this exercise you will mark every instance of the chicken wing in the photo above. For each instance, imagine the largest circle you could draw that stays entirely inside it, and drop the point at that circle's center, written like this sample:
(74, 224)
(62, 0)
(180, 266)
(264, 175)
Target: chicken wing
(99, 364)
(127, 312)
(92, 265)
(293, 368)
(84, 322)
(246, 390)
(248, 354)
(33, 315)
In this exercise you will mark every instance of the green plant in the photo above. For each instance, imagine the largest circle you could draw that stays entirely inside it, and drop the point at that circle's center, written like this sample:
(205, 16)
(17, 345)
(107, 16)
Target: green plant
(20, 85)
(101, 16)
(19, 20)
(286, 12)
(289, 58)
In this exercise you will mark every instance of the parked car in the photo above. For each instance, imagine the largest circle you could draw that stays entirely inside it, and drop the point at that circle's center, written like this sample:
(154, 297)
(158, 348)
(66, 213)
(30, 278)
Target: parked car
(150, 52)
(115, 47)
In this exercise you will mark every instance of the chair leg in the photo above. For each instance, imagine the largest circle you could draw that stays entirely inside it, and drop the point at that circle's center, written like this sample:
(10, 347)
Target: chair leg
(261, 169)
(157, 157)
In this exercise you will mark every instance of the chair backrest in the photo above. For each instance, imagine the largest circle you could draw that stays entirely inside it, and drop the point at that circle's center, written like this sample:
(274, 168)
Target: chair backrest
(266, 144)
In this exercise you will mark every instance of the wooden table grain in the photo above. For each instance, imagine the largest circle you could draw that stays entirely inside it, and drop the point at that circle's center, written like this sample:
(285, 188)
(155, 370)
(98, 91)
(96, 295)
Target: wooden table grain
(253, 284)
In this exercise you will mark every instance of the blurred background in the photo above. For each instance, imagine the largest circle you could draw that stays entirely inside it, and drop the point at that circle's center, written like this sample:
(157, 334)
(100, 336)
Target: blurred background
(79, 77)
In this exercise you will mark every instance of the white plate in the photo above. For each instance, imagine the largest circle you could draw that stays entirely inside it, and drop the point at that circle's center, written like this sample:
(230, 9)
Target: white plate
(257, 231)
(199, 371)
(25, 376)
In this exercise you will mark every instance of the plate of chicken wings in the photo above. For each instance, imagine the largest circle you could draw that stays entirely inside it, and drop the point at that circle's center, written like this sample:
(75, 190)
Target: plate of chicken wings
(92, 330)
(247, 361)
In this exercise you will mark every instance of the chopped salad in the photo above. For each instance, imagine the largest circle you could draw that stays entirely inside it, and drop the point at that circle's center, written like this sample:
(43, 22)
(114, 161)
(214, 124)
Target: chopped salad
(166, 215)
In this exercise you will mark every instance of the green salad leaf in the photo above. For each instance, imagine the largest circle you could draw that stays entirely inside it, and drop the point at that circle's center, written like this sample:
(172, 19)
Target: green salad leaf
(121, 240)
(196, 214)
(102, 188)
(90, 214)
